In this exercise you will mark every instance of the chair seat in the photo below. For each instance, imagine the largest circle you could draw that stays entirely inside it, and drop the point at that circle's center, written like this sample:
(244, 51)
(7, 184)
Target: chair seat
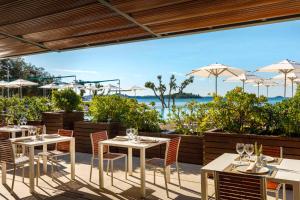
(21, 160)
(273, 185)
(113, 156)
(156, 162)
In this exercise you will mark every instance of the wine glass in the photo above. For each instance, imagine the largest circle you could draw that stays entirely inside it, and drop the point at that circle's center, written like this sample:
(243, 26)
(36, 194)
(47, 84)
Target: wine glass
(249, 149)
(129, 133)
(240, 149)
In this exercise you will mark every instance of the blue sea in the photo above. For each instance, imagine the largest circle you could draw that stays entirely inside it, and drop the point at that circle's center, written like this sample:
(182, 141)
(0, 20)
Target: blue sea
(183, 101)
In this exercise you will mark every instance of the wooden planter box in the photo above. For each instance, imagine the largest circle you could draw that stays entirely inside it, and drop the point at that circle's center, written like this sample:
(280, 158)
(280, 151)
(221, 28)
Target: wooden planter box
(82, 130)
(216, 143)
(61, 120)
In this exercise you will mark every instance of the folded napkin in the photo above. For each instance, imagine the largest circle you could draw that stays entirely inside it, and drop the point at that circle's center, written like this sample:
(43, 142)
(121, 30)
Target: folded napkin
(251, 167)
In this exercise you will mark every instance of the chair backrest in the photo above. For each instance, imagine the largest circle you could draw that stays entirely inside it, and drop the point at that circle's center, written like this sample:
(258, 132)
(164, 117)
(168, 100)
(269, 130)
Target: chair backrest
(64, 146)
(172, 149)
(6, 151)
(95, 139)
(273, 151)
(239, 186)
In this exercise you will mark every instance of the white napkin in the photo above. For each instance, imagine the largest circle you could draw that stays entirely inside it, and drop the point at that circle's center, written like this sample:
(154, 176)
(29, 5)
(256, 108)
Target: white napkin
(250, 167)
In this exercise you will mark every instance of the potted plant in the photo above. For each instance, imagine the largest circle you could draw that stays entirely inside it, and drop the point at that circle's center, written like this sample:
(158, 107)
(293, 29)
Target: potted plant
(68, 110)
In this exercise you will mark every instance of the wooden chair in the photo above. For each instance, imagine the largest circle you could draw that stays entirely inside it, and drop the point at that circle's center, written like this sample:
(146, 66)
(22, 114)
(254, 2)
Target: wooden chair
(171, 157)
(108, 156)
(61, 149)
(273, 186)
(7, 155)
(231, 186)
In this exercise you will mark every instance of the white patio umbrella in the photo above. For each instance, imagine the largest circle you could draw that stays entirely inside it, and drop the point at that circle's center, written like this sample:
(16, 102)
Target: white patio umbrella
(292, 76)
(72, 85)
(257, 82)
(242, 77)
(136, 88)
(269, 83)
(21, 83)
(284, 67)
(216, 70)
(50, 86)
(111, 87)
(91, 88)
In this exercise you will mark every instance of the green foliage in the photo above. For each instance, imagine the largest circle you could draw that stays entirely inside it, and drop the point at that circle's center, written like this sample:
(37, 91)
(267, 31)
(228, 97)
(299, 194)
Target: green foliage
(237, 112)
(127, 111)
(191, 119)
(66, 100)
(29, 107)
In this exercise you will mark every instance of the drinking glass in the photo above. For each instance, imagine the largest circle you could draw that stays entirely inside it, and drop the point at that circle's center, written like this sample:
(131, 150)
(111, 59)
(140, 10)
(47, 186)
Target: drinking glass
(240, 149)
(129, 133)
(249, 149)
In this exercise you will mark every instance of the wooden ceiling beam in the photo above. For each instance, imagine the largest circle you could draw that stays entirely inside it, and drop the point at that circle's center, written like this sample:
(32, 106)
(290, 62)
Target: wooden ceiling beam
(196, 8)
(21, 39)
(128, 17)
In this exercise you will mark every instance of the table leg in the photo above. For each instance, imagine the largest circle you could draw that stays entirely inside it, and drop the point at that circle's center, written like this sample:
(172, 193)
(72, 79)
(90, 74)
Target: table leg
(23, 147)
(168, 172)
(3, 167)
(296, 191)
(130, 161)
(143, 175)
(13, 134)
(31, 168)
(72, 158)
(100, 159)
(45, 159)
(204, 190)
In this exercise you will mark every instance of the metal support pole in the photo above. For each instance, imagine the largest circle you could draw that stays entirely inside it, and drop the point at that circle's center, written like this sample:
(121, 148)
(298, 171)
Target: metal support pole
(257, 90)
(216, 85)
(285, 84)
(8, 81)
(243, 85)
(267, 91)
(292, 87)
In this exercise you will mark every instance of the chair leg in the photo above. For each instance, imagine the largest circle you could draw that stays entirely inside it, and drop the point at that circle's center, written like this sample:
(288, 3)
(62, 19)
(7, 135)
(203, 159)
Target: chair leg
(166, 184)
(91, 170)
(107, 167)
(283, 191)
(52, 169)
(38, 171)
(177, 167)
(13, 180)
(154, 175)
(126, 167)
(276, 195)
(23, 173)
(112, 172)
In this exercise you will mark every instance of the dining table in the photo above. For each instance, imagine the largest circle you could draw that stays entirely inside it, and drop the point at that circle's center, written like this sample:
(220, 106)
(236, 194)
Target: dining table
(287, 171)
(142, 144)
(31, 142)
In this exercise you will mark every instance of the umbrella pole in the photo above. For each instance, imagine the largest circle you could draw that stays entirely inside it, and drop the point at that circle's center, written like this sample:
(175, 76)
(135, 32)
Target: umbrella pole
(292, 87)
(258, 90)
(285, 84)
(216, 85)
(267, 91)
(243, 85)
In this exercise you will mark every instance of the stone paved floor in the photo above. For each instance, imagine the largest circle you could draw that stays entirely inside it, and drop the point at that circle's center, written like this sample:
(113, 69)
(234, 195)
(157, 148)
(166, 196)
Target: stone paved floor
(62, 188)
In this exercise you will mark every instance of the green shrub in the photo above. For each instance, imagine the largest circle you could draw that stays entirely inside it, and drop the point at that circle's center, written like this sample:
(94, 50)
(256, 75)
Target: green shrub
(126, 111)
(66, 100)
(190, 119)
(29, 107)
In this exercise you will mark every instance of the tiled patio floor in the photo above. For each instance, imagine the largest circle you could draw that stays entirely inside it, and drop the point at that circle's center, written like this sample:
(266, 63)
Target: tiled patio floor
(62, 188)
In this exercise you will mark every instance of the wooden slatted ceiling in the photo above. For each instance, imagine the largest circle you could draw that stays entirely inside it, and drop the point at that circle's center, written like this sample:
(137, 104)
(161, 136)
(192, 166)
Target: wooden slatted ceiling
(67, 24)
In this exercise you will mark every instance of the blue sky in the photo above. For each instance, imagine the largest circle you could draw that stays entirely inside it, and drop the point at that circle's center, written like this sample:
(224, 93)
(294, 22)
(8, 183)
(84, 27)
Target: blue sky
(136, 63)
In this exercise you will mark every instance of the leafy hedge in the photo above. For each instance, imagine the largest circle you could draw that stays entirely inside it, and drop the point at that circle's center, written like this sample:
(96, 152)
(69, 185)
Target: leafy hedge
(239, 112)
(127, 111)
(29, 107)
(66, 100)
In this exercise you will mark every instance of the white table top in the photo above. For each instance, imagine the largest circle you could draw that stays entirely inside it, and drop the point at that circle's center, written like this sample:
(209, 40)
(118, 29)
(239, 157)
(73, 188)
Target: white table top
(288, 169)
(134, 144)
(20, 141)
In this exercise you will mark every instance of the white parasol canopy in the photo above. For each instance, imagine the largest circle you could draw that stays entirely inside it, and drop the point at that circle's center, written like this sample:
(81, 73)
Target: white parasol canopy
(258, 81)
(216, 70)
(292, 76)
(242, 77)
(136, 88)
(51, 86)
(72, 85)
(21, 83)
(284, 67)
